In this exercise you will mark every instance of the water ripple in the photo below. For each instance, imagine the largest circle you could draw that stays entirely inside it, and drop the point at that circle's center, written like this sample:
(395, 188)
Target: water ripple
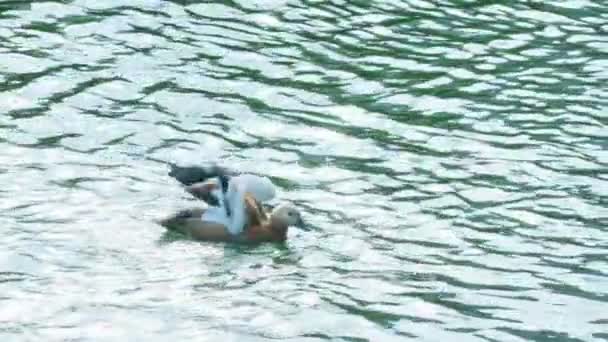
(449, 156)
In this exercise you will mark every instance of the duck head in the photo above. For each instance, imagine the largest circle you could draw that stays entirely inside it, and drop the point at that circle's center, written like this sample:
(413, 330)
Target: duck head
(288, 215)
(282, 217)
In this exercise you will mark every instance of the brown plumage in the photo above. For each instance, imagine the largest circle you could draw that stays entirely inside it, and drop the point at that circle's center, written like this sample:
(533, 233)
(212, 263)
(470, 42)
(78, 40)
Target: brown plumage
(261, 227)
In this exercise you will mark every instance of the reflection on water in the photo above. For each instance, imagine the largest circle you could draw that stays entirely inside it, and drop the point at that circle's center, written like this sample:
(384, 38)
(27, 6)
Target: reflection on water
(450, 156)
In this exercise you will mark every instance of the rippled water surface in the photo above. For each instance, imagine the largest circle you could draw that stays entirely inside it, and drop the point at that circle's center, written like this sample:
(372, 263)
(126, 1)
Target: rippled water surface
(450, 157)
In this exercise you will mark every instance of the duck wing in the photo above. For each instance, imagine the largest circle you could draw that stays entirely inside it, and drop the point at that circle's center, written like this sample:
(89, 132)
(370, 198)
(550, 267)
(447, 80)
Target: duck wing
(205, 191)
(197, 179)
(188, 175)
(256, 215)
(259, 188)
(207, 183)
(214, 191)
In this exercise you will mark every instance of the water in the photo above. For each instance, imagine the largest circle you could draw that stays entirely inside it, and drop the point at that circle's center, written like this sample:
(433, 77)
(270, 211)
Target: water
(450, 158)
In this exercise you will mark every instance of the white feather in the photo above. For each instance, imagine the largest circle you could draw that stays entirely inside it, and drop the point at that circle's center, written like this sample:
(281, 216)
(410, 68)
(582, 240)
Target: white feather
(262, 190)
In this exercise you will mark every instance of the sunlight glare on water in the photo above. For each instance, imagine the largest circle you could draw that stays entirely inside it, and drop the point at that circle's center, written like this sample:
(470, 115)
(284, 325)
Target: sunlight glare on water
(450, 158)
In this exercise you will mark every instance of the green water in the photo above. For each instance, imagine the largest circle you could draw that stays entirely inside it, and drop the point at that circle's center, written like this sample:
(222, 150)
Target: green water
(450, 157)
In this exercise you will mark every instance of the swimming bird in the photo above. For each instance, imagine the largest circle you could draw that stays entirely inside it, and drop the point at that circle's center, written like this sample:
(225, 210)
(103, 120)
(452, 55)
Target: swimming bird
(235, 206)
(261, 226)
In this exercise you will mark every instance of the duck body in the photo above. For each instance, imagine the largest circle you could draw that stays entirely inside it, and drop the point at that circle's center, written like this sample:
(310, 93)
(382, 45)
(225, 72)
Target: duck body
(260, 227)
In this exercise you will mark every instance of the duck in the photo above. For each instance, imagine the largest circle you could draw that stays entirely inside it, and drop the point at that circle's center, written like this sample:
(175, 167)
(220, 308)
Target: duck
(235, 210)
(261, 227)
